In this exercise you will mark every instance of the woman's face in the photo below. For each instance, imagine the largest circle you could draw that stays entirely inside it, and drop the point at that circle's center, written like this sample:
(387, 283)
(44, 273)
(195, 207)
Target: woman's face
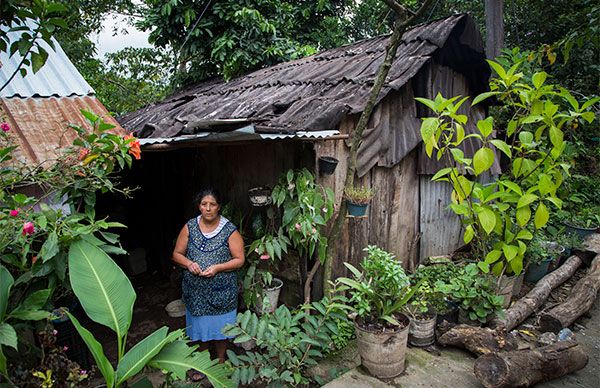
(209, 208)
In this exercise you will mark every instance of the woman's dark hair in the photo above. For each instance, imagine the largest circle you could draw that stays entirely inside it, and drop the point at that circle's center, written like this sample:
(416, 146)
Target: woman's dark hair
(208, 191)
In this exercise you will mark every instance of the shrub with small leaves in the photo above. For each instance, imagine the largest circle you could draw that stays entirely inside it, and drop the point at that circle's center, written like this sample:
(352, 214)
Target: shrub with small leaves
(287, 342)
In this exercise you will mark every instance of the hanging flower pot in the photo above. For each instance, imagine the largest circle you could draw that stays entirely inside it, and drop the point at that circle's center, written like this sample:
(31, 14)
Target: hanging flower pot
(260, 196)
(357, 209)
(327, 165)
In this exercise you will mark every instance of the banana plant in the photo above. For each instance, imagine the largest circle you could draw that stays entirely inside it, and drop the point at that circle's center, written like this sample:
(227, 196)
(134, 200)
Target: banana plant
(107, 296)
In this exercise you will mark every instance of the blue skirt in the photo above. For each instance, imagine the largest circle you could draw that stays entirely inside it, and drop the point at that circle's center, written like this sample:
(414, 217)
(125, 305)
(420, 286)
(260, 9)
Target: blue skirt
(207, 327)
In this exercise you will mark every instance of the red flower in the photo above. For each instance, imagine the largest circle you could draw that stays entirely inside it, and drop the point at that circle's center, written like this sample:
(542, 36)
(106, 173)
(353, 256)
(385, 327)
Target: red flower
(28, 228)
(14, 213)
(5, 127)
(83, 153)
(134, 146)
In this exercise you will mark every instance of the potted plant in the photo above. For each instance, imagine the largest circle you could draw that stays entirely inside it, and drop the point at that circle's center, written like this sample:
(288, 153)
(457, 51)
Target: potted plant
(584, 221)
(540, 254)
(357, 199)
(423, 317)
(378, 295)
(327, 165)
(442, 271)
(473, 291)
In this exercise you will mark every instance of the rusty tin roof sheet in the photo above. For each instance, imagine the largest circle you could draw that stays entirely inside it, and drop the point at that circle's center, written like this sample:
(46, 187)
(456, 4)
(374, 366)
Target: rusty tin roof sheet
(39, 126)
(308, 94)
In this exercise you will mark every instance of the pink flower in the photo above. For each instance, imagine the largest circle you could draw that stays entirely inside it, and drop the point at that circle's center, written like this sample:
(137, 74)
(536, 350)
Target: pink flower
(83, 153)
(14, 213)
(65, 348)
(297, 226)
(314, 231)
(265, 256)
(28, 228)
(5, 127)
(83, 372)
(54, 332)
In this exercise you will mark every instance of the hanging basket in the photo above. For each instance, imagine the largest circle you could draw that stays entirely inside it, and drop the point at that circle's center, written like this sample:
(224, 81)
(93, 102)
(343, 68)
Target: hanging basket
(357, 210)
(327, 165)
(260, 196)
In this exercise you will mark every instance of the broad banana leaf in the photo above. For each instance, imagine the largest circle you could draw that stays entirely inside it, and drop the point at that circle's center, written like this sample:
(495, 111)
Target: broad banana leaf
(138, 356)
(97, 352)
(177, 358)
(104, 291)
(6, 282)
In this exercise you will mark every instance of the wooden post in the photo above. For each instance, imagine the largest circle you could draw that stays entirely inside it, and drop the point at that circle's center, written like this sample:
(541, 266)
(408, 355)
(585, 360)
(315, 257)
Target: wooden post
(494, 26)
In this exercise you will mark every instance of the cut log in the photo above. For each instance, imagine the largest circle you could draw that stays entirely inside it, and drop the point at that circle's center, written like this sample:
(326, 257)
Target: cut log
(531, 302)
(579, 301)
(477, 340)
(524, 368)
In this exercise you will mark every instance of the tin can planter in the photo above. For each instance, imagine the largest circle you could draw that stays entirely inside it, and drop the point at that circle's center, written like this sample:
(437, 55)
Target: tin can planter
(272, 297)
(357, 210)
(383, 353)
(327, 165)
(421, 331)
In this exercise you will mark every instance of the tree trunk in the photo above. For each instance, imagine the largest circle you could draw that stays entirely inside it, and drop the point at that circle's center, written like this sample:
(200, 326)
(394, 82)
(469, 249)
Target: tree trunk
(531, 302)
(524, 368)
(580, 300)
(494, 26)
(477, 340)
(405, 18)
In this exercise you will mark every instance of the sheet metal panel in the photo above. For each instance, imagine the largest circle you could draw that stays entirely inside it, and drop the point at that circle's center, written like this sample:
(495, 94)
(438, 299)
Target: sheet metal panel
(58, 77)
(441, 231)
(39, 126)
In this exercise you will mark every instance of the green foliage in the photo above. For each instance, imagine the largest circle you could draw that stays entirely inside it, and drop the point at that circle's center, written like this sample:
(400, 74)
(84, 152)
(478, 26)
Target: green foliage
(359, 195)
(107, 296)
(381, 290)
(473, 292)
(540, 249)
(498, 215)
(35, 237)
(35, 21)
(428, 298)
(288, 342)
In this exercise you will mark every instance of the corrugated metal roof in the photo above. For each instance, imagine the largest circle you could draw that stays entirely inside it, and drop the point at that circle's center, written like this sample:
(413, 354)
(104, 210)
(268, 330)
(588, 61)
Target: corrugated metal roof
(242, 134)
(312, 93)
(58, 77)
(39, 126)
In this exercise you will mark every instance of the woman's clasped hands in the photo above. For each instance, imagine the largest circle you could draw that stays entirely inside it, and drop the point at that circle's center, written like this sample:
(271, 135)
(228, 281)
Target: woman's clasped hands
(195, 269)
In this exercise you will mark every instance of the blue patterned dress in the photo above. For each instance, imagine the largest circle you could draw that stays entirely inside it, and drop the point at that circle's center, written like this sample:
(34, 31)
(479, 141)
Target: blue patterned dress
(210, 302)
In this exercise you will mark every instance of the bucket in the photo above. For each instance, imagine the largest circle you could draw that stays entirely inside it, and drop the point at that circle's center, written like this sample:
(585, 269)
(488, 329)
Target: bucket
(271, 295)
(327, 165)
(450, 315)
(421, 332)
(383, 354)
(356, 210)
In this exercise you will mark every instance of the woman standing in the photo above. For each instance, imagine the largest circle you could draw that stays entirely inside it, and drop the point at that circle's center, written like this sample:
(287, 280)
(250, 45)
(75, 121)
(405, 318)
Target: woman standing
(211, 249)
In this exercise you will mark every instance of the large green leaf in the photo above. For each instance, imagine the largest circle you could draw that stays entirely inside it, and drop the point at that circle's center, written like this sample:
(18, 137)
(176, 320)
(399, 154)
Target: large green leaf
(487, 218)
(6, 282)
(101, 286)
(8, 335)
(177, 357)
(138, 356)
(97, 352)
(483, 160)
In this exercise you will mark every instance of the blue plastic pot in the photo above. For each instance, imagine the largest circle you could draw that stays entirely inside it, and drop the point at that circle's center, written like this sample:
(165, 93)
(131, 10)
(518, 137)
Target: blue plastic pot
(581, 232)
(536, 271)
(356, 210)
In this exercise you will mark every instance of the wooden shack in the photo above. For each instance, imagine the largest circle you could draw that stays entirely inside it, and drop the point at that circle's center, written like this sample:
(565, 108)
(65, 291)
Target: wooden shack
(244, 133)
